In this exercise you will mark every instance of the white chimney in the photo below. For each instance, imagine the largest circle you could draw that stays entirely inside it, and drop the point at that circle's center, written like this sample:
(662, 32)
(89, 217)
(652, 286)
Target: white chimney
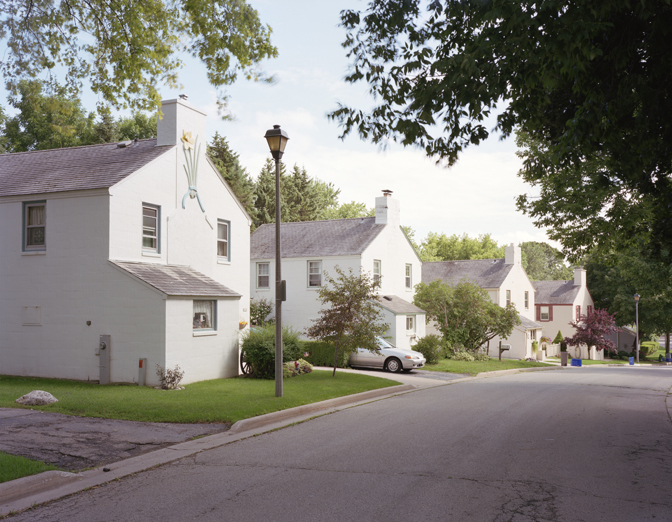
(579, 276)
(387, 210)
(179, 117)
(512, 255)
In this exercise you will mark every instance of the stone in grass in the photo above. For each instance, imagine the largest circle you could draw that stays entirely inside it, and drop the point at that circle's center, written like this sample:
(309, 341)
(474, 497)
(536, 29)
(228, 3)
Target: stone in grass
(37, 398)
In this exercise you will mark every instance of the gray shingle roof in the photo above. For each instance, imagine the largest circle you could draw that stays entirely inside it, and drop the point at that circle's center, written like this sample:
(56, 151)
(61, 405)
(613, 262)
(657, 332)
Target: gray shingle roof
(336, 237)
(397, 305)
(176, 280)
(555, 292)
(486, 273)
(74, 168)
(529, 324)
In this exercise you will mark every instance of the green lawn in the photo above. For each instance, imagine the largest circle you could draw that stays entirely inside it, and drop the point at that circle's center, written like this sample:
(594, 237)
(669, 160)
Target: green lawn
(220, 400)
(476, 367)
(13, 467)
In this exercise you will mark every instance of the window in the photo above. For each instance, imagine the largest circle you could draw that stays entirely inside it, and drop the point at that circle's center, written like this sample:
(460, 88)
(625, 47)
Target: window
(34, 223)
(223, 239)
(508, 297)
(544, 313)
(150, 227)
(590, 309)
(410, 323)
(314, 274)
(409, 276)
(578, 312)
(376, 270)
(527, 300)
(263, 275)
(204, 315)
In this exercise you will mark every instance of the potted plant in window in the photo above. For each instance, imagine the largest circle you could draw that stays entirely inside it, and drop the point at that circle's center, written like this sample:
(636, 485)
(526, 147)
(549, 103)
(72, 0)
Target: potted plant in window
(563, 353)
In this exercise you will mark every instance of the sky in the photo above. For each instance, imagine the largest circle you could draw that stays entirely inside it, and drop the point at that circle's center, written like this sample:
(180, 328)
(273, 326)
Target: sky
(476, 196)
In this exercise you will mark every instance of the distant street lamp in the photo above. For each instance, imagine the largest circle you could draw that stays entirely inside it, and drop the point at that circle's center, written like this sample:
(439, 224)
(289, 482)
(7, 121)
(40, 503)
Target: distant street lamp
(277, 141)
(637, 323)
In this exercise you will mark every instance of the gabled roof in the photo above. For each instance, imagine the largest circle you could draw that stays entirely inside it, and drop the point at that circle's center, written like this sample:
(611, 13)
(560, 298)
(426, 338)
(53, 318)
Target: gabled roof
(555, 292)
(397, 305)
(74, 168)
(529, 324)
(176, 280)
(335, 237)
(486, 273)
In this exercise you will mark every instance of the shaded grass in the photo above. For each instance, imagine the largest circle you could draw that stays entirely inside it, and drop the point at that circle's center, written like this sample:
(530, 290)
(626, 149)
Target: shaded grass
(476, 367)
(220, 400)
(13, 467)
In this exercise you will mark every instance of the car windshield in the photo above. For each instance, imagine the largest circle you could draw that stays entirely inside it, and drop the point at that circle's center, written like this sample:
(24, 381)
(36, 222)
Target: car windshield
(383, 343)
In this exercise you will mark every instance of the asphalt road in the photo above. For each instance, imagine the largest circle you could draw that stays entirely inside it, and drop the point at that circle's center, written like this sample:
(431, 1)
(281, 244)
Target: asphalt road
(590, 444)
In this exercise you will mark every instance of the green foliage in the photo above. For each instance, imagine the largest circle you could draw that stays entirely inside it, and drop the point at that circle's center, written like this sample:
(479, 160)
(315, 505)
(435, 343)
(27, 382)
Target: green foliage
(481, 356)
(260, 309)
(648, 348)
(439, 247)
(431, 347)
(542, 262)
(535, 347)
(294, 368)
(461, 355)
(259, 348)
(351, 316)
(465, 314)
(558, 338)
(322, 354)
(127, 50)
(348, 211)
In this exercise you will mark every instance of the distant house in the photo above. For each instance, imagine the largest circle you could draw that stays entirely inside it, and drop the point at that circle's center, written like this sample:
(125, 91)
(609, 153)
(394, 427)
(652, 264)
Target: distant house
(557, 303)
(377, 245)
(506, 282)
(116, 244)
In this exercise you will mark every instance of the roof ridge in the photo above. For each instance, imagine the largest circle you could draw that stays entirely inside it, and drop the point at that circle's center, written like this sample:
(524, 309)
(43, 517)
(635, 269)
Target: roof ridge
(76, 147)
(315, 221)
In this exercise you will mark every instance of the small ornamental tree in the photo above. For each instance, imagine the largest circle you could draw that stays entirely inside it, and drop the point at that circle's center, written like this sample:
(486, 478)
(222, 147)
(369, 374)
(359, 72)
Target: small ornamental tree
(592, 330)
(351, 317)
(558, 338)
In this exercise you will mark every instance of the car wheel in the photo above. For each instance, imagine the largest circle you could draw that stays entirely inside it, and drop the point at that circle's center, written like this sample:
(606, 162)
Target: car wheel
(393, 365)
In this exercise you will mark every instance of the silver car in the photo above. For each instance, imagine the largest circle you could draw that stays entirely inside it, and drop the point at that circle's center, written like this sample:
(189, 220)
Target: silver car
(390, 358)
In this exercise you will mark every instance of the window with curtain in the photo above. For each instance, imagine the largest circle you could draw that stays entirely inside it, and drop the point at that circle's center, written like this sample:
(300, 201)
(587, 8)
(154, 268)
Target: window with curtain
(35, 222)
(204, 315)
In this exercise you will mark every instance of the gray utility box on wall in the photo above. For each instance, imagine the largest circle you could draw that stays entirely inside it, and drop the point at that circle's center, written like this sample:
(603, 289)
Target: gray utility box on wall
(104, 347)
(142, 372)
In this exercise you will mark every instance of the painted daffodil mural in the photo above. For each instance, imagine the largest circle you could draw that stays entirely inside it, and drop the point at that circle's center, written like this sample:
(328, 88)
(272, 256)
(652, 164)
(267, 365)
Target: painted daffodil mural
(192, 152)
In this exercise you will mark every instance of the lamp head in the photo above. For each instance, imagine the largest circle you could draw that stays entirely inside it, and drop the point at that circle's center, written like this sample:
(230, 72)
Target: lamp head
(277, 141)
(636, 298)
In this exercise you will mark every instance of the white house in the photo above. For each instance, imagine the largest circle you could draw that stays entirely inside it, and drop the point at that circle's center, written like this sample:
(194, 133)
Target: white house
(140, 245)
(506, 282)
(557, 303)
(375, 244)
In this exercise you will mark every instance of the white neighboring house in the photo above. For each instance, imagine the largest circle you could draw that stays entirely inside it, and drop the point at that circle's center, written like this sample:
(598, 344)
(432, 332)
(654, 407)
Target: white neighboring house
(506, 282)
(94, 241)
(559, 302)
(375, 244)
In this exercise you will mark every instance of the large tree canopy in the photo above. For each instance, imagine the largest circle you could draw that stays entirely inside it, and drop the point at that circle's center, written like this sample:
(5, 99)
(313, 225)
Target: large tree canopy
(127, 49)
(592, 80)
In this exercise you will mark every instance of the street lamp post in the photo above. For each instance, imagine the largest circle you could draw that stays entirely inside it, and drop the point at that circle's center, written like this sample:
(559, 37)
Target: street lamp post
(637, 324)
(277, 140)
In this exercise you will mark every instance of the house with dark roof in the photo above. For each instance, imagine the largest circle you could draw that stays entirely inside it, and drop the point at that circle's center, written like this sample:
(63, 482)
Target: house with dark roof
(557, 303)
(115, 253)
(377, 245)
(506, 282)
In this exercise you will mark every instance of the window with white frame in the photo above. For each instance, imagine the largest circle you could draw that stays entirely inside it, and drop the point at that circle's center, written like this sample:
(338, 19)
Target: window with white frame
(35, 223)
(263, 275)
(410, 323)
(508, 297)
(527, 300)
(578, 312)
(150, 227)
(223, 239)
(204, 315)
(376, 271)
(409, 276)
(544, 313)
(314, 274)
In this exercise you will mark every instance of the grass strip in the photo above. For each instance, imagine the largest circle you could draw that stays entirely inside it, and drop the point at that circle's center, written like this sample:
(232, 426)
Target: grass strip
(476, 367)
(13, 467)
(215, 401)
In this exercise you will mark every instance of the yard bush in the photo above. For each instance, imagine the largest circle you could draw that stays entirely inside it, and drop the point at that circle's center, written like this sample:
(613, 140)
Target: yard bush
(259, 348)
(431, 347)
(260, 309)
(322, 354)
(481, 356)
(462, 355)
(558, 338)
(294, 368)
(648, 348)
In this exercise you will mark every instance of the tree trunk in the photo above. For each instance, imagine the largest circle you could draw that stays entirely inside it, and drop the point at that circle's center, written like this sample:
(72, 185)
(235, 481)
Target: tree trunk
(335, 361)
(667, 342)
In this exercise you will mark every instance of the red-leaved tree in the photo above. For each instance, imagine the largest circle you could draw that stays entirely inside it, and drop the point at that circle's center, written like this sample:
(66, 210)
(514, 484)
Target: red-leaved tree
(592, 330)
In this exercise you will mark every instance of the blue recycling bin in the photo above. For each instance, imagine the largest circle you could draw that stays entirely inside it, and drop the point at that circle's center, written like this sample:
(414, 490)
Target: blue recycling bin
(576, 362)
(631, 360)
(668, 357)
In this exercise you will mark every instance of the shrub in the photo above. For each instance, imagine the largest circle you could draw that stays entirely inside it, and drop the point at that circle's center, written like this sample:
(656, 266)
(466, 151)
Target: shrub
(322, 354)
(259, 348)
(431, 347)
(169, 379)
(535, 346)
(481, 356)
(563, 346)
(259, 311)
(558, 338)
(294, 368)
(648, 348)
(462, 355)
